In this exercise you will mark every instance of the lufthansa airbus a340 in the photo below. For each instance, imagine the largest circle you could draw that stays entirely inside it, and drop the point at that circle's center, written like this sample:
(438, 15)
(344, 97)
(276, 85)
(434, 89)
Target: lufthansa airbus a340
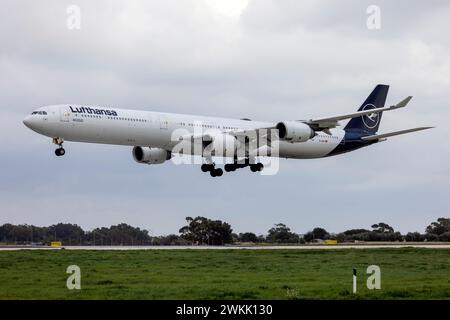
(242, 141)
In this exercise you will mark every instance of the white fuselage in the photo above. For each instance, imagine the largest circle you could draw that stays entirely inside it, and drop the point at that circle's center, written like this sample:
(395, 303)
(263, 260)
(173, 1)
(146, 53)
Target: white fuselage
(154, 129)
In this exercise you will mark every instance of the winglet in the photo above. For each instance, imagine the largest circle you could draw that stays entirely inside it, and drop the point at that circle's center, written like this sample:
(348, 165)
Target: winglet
(402, 103)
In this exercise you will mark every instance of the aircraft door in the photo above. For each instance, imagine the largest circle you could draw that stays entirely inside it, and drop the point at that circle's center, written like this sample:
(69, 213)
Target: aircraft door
(163, 122)
(64, 115)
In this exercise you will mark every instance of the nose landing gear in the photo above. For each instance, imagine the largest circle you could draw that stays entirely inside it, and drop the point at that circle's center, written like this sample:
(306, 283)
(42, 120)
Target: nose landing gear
(60, 151)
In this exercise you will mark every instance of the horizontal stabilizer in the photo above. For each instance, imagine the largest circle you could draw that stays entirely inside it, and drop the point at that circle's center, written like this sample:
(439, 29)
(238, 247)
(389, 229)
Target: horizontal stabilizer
(395, 133)
(402, 103)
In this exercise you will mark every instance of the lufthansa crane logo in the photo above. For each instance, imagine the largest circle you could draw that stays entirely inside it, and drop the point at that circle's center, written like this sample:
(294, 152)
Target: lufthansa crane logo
(370, 120)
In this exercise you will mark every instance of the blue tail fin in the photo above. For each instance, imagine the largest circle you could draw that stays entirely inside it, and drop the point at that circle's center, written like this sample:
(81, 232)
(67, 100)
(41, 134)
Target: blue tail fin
(370, 123)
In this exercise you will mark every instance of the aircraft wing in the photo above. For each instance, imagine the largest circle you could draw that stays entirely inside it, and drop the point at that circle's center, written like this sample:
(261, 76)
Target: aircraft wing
(320, 124)
(395, 133)
(332, 122)
(264, 135)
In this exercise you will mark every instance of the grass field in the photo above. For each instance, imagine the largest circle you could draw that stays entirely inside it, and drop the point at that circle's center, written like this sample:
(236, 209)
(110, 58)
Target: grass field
(225, 274)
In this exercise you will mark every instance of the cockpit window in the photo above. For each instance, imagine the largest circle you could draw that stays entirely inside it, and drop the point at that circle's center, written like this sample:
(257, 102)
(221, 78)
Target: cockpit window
(39, 112)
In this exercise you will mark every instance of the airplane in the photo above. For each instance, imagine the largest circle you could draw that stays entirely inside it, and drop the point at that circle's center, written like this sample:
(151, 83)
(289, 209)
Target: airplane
(151, 134)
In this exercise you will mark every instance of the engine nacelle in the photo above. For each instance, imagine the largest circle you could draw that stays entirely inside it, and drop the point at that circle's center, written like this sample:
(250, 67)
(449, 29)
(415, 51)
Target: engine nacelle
(150, 155)
(295, 131)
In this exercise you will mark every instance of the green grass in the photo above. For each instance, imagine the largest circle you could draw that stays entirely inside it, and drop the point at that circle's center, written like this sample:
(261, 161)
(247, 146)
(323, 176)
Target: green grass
(225, 274)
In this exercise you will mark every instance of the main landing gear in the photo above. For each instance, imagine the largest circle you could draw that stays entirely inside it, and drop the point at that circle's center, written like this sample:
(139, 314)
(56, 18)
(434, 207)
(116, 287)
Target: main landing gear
(254, 167)
(229, 167)
(60, 151)
(213, 171)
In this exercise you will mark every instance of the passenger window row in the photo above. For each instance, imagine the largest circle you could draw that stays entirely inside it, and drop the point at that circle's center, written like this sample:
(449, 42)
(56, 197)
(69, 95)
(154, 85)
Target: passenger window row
(207, 126)
(113, 118)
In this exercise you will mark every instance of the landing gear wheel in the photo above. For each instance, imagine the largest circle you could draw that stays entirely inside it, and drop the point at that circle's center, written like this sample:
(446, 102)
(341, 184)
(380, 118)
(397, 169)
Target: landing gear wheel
(207, 167)
(230, 167)
(256, 167)
(60, 152)
(216, 172)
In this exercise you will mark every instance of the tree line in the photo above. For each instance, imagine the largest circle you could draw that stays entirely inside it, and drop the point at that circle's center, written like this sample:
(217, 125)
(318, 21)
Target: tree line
(204, 231)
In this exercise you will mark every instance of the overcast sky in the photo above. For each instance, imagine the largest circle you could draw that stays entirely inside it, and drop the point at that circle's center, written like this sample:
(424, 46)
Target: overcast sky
(262, 59)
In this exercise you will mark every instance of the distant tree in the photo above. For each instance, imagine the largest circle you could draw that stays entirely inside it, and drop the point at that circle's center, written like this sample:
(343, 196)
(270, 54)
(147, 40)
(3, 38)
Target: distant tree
(341, 237)
(171, 240)
(353, 235)
(316, 234)
(355, 231)
(414, 237)
(395, 236)
(445, 237)
(381, 232)
(128, 235)
(281, 234)
(382, 228)
(121, 234)
(308, 237)
(206, 231)
(441, 226)
(248, 237)
(21, 233)
(235, 237)
(431, 237)
(100, 236)
(320, 233)
(65, 232)
(5, 232)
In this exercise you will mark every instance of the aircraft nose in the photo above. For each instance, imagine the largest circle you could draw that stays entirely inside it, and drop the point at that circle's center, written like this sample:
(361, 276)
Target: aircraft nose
(28, 121)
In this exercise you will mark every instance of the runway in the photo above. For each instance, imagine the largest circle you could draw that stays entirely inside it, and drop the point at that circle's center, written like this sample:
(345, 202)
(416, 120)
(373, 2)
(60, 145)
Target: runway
(237, 247)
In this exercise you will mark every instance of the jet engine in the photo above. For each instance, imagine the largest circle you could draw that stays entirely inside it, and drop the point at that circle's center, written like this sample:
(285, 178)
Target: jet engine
(295, 131)
(150, 155)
